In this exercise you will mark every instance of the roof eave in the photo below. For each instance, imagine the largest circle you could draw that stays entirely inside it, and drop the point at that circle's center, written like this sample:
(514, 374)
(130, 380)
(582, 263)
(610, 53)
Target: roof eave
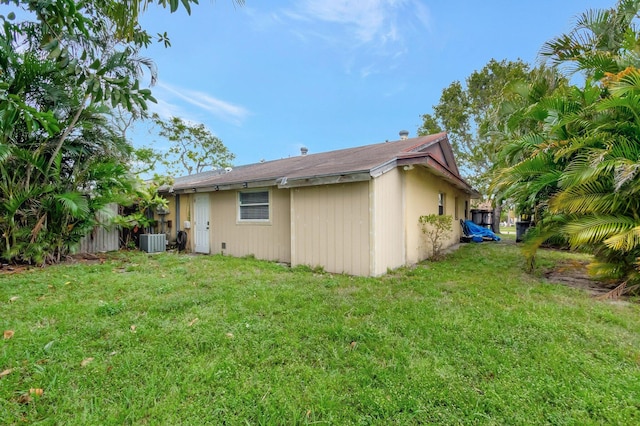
(439, 169)
(329, 179)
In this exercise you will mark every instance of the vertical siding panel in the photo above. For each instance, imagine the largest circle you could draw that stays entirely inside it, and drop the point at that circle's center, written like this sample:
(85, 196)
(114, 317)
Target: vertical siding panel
(389, 222)
(270, 241)
(351, 220)
(320, 233)
(365, 231)
(336, 233)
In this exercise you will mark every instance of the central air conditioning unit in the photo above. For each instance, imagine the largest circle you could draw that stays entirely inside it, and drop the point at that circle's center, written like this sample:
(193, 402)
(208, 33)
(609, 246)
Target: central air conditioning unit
(153, 243)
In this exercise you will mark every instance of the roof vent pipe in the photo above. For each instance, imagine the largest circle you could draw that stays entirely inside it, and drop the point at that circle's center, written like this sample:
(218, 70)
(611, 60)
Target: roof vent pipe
(304, 150)
(404, 134)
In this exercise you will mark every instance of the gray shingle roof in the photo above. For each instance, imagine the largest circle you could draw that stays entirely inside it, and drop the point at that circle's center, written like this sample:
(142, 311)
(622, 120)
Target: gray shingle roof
(362, 159)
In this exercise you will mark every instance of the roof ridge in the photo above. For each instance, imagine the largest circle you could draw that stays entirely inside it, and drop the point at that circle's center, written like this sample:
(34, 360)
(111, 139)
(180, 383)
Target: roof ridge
(431, 140)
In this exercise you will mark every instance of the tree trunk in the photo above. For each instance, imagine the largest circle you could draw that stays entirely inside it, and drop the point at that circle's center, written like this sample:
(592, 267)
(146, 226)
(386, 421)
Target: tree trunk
(495, 225)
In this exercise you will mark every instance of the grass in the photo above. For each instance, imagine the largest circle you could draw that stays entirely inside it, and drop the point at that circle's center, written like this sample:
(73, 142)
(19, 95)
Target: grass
(177, 339)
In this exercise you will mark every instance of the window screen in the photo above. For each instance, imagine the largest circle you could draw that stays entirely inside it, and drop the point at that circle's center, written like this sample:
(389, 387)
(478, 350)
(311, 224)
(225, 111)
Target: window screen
(254, 205)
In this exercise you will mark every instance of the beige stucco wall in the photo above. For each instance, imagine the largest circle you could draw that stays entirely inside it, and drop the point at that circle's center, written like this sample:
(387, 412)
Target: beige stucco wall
(269, 241)
(387, 222)
(331, 228)
(421, 198)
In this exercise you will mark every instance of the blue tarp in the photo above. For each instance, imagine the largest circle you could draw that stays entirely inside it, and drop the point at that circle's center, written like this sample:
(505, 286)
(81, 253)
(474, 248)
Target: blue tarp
(477, 232)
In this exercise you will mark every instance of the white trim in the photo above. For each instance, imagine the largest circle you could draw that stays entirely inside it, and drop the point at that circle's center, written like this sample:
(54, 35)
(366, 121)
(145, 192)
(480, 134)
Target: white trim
(269, 204)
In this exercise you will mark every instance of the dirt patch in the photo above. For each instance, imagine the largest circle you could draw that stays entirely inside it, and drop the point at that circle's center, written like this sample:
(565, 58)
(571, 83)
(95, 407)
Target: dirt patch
(6, 269)
(574, 274)
(86, 258)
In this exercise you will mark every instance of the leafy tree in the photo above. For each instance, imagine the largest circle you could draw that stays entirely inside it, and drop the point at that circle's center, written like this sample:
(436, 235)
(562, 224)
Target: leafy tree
(193, 149)
(62, 70)
(469, 114)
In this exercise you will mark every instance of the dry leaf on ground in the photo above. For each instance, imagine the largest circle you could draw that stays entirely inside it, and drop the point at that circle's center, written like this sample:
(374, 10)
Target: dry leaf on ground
(8, 334)
(86, 361)
(193, 321)
(6, 372)
(14, 298)
(132, 328)
(36, 391)
(24, 399)
(229, 335)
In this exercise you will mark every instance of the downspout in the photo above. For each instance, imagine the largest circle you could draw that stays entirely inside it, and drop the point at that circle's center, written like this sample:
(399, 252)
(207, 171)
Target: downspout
(177, 214)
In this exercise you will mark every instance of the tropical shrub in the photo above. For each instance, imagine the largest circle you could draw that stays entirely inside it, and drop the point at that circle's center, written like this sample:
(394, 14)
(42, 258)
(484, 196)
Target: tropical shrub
(63, 69)
(577, 168)
(436, 229)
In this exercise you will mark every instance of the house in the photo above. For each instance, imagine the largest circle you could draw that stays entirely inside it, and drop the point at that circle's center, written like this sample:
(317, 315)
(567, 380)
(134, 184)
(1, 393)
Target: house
(351, 211)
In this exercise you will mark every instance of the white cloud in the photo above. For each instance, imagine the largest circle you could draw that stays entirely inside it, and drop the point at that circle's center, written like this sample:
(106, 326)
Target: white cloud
(368, 21)
(223, 110)
(167, 109)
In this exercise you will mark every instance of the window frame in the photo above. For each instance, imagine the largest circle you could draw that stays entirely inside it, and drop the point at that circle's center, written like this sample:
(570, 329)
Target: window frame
(456, 215)
(239, 204)
(442, 203)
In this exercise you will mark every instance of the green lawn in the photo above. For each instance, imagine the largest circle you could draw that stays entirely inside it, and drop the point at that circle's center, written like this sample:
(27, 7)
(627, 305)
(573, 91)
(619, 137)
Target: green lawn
(178, 339)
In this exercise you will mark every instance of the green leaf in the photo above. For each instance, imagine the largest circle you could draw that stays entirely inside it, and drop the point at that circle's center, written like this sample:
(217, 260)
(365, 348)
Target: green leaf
(187, 6)
(53, 44)
(62, 62)
(115, 97)
(53, 54)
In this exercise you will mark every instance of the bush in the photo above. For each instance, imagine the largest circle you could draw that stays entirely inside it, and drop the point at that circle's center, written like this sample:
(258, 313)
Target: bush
(437, 228)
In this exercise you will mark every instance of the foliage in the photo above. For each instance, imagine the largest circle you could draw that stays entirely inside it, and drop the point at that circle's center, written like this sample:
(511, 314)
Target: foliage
(471, 115)
(193, 148)
(602, 41)
(437, 229)
(63, 68)
(467, 113)
(573, 160)
(146, 202)
(174, 339)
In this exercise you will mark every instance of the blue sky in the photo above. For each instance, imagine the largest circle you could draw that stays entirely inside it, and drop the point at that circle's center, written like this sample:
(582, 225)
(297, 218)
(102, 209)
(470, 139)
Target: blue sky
(270, 77)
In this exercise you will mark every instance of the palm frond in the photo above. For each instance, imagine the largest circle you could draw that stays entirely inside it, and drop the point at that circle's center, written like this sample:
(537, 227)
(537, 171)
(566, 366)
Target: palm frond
(625, 241)
(576, 200)
(73, 202)
(586, 230)
(5, 152)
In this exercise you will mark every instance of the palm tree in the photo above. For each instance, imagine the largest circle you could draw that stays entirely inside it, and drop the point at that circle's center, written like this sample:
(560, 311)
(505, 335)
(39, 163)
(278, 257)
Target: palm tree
(573, 157)
(602, 41)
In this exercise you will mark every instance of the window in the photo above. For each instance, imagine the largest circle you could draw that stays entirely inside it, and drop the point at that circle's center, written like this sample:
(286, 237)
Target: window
(253, 206)
(466, 209)
(455, 208)
(440, 203)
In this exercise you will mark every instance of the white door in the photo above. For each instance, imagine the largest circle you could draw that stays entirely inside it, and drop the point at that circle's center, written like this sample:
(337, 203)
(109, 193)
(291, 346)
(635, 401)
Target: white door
(201, 223)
